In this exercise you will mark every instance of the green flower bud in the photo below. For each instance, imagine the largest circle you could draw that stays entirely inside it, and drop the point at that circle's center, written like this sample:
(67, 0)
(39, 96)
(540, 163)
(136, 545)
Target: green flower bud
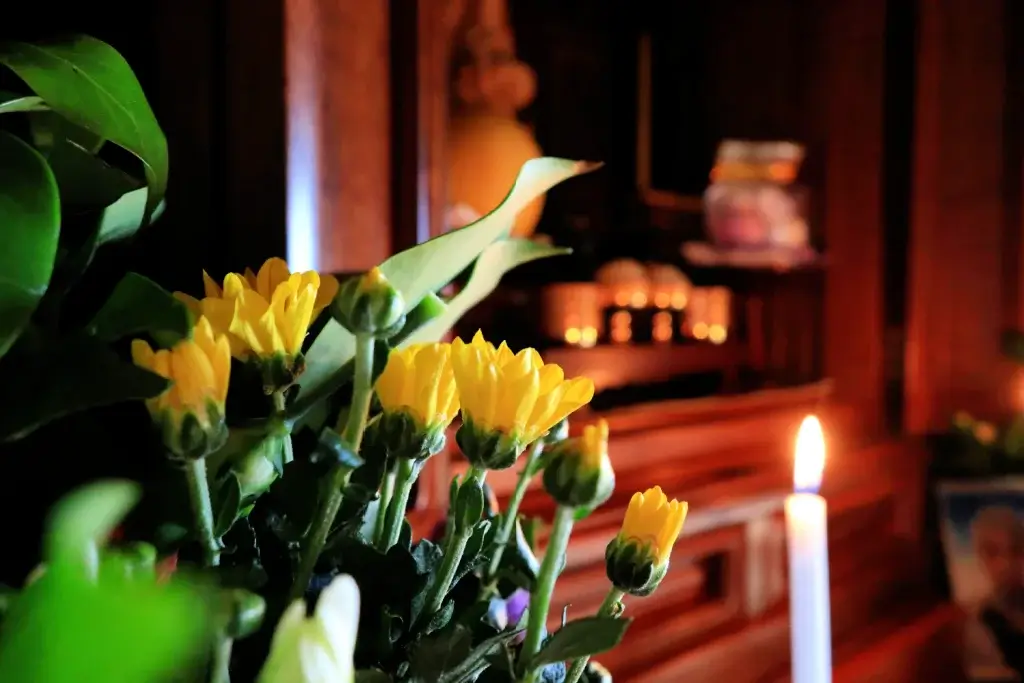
(633, 568)
(369, 304)
(468, 503)
(254, 471)
(244, 612)
(579, 473)
(486, 449)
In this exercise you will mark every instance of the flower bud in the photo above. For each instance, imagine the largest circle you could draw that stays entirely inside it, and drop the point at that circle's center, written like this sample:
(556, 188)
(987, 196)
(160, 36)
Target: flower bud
(255, 470)
(369, 304)
(244, 612)
(579, 473)
(637, 559)
(467, 503)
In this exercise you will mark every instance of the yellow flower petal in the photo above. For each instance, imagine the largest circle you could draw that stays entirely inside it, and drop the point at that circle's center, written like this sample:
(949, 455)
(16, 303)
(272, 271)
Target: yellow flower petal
(653, 521)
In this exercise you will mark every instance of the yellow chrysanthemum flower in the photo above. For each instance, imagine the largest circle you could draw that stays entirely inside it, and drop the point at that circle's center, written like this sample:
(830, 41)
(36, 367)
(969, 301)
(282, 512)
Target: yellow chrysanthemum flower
(419, 380)
(653, 521)
(417, 392)
(265, 314)
(192, 408)
(514, 395)
(637, 559)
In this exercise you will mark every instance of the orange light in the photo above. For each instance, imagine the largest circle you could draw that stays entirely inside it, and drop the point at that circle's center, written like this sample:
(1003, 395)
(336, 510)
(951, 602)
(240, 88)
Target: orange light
(717, 334)
(572, 335)
(622, 326)
(809, 462)
(588, 337)
(638, 299)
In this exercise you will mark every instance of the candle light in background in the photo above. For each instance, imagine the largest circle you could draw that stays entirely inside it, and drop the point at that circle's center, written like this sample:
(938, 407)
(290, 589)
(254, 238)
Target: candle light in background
(718, 314)
(695, 322)
(807, 540)
(572, 312)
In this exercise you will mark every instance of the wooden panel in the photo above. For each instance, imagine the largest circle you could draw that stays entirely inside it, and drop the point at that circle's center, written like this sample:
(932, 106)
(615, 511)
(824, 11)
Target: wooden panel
(955, 283)
(851, 85)
(339, 130)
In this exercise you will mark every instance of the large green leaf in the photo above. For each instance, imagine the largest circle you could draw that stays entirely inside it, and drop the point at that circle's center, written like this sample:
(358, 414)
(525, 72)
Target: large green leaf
(140, 306)
(13, 102)
(124, 217)
(65, 376)
(497, 259)
(89, 83)
(428, 267)
(30, 217)
(85, 518)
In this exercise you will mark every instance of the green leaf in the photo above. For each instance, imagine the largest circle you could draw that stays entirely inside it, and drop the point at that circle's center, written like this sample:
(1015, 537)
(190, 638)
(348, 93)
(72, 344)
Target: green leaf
(226, 503)
(429, 266)
(83, 520)
(434, 656)
(494, 262)
(476, 660)
(30, 216)
(140, 306)
(50, 129)
(86, 181)
(13, 102)
(333, 449)
(131, 631)
(89, 83)
(581, 638)
(124, 217)
(68, 376)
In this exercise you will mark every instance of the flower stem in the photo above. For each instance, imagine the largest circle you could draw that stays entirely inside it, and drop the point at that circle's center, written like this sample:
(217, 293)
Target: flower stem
(508, 520)
(387, 490)
(607, 609)
(454, 549)
(404, 479)
(352, 435)
(220, 671)
(202, 511)
(540, 601)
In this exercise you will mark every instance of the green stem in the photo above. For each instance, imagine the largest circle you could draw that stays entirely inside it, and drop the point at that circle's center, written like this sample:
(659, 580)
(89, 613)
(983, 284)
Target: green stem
(404, 479)
(387, 490)
(454, 549)
(279, 402)
(508, 520)
(202, 511)
(352, 435)
(607, 609)
(540, 601)
(220, 672)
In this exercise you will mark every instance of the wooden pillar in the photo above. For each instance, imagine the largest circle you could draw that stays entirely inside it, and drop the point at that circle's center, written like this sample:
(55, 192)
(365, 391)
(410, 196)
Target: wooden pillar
(338, 132)
(851, 82)
(956, 269)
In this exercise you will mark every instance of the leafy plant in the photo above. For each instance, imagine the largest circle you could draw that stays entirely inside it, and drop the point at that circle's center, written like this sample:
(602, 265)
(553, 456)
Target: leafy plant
(290, 417)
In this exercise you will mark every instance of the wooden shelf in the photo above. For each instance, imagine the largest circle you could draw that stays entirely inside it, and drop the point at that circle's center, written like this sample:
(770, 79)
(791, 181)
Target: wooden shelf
(616, 365)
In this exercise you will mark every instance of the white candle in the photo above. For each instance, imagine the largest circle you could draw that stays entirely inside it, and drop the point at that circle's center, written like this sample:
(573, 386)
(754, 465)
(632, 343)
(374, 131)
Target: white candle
(807, 537)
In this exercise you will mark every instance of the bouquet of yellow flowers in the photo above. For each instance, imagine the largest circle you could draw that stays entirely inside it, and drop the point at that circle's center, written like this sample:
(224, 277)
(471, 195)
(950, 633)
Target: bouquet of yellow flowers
(291, 417)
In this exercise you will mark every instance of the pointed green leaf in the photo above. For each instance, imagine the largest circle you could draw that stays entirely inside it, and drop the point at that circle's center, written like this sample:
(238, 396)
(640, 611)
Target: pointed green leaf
(89, 83)
(497, 259)
(67, 376)
(581, 638)
(13, 102)
(30, 216)
(428, 267)
(140, 306)
(125, 216)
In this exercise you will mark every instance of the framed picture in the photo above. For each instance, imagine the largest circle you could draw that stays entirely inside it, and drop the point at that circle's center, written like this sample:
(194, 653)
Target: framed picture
(982, 526)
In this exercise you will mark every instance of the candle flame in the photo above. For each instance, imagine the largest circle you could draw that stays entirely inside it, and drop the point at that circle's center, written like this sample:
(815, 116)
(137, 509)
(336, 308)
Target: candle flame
(810, 456)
